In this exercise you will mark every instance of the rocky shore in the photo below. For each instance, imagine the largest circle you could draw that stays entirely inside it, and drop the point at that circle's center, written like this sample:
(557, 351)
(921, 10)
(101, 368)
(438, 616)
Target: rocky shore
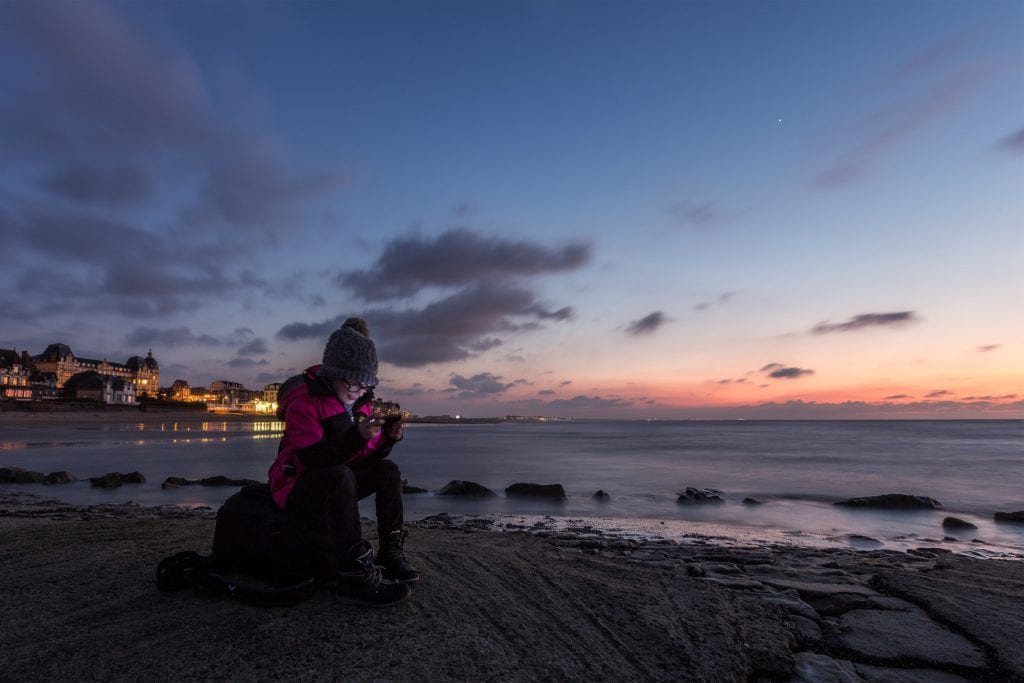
(530, 602)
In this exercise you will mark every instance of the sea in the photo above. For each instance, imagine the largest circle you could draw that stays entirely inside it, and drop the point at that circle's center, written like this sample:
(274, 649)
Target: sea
(794, 470)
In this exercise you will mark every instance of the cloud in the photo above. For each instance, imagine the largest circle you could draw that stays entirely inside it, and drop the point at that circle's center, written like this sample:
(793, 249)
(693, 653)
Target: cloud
(699, 214)
(1013, 143)
(454, 258)
(119, 185)
(92, 70)
(137, 178)
(547, 392)
(938, 393)
(254, 347)
(487, 297)
(321, 330)
(246, 363)
(988, 348)
(457, 327)
(723, 299)
(649, 324)
(779, 371)
(864, 320)
(169, 337)
(483, 384)
(897, 397)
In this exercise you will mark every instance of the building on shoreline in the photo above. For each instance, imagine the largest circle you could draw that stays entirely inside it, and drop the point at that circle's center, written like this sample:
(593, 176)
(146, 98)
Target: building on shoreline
(143, 373)
(58, 373)
(15, 373)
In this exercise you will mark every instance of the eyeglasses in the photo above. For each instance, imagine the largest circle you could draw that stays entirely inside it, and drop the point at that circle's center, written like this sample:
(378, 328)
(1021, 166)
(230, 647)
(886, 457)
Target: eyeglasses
(357, 386)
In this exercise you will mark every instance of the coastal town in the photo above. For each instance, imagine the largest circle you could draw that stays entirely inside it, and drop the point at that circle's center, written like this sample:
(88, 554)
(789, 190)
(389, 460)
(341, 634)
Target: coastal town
(57, 377)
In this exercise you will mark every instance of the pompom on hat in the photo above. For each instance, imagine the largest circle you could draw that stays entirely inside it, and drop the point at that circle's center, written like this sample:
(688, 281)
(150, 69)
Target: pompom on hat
(350, 354)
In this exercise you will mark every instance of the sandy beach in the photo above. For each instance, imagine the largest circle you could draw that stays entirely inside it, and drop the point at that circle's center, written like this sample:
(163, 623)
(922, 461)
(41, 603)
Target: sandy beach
(82, 604)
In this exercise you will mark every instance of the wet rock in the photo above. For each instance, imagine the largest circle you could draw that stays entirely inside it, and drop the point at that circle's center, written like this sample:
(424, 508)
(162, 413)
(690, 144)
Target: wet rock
(790, 602)
(903, 637)
(61, 477)
(601, 496)
(893, 501)
(859, 541)
(814, 668)
(413, 489)
(957, 523)
(814, 590)
(175, 482)
(694, 495)
(458, 487)
(1010, 516)
(734, 584)
(18, 475)
(884, 674)
(840, 603)
(550, 491)
(752, 501)
(221, 480)
(807, 629)
(111, 480)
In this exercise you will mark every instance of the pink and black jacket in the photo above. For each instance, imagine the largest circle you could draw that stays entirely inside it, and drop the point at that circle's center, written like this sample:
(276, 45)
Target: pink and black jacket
(319, 433)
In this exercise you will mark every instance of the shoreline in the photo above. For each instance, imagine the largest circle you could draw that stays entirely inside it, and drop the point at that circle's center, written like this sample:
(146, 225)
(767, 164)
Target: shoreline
(509, 605)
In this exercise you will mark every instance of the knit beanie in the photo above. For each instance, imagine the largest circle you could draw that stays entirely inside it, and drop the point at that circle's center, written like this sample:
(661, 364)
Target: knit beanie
(350, 354)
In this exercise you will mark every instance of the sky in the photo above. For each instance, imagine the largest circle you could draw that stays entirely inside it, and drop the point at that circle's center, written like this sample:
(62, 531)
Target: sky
(603, 209)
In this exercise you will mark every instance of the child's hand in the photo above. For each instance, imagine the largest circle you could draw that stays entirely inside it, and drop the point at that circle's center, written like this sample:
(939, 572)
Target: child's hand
(369, 427)
(393, 430)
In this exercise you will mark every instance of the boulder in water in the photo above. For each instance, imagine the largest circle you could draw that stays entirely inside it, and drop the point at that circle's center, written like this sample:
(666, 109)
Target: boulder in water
(1010, 516)
(60, 477)
(957, 523)
(221, 480)
(18, 475)
(893, 501)
(694, 495)
(458, 487)
(601, 496)
(110, 480)
(551, 491)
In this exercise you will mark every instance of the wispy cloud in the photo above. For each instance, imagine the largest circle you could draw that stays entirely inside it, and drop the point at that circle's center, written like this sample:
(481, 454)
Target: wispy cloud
(649, 324)
(723, 299)
(988, 348)
(1013, 143)
(865, 320)
(909, 108)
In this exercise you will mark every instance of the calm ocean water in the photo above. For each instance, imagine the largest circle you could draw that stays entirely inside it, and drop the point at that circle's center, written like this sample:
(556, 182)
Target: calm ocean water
(796, 469)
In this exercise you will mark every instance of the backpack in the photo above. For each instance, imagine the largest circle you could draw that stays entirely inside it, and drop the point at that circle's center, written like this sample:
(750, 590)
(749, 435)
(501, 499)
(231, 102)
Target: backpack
(254, 537)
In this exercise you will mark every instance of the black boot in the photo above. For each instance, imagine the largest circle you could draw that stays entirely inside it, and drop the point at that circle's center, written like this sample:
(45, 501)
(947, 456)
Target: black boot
(392, 558)
(360, 581)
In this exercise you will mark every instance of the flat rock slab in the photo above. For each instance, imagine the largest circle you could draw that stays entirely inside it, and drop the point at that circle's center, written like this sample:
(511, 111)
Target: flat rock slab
(816, 590)
(885, 674)
(982, 598)
(906, 637)
(815, 668)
